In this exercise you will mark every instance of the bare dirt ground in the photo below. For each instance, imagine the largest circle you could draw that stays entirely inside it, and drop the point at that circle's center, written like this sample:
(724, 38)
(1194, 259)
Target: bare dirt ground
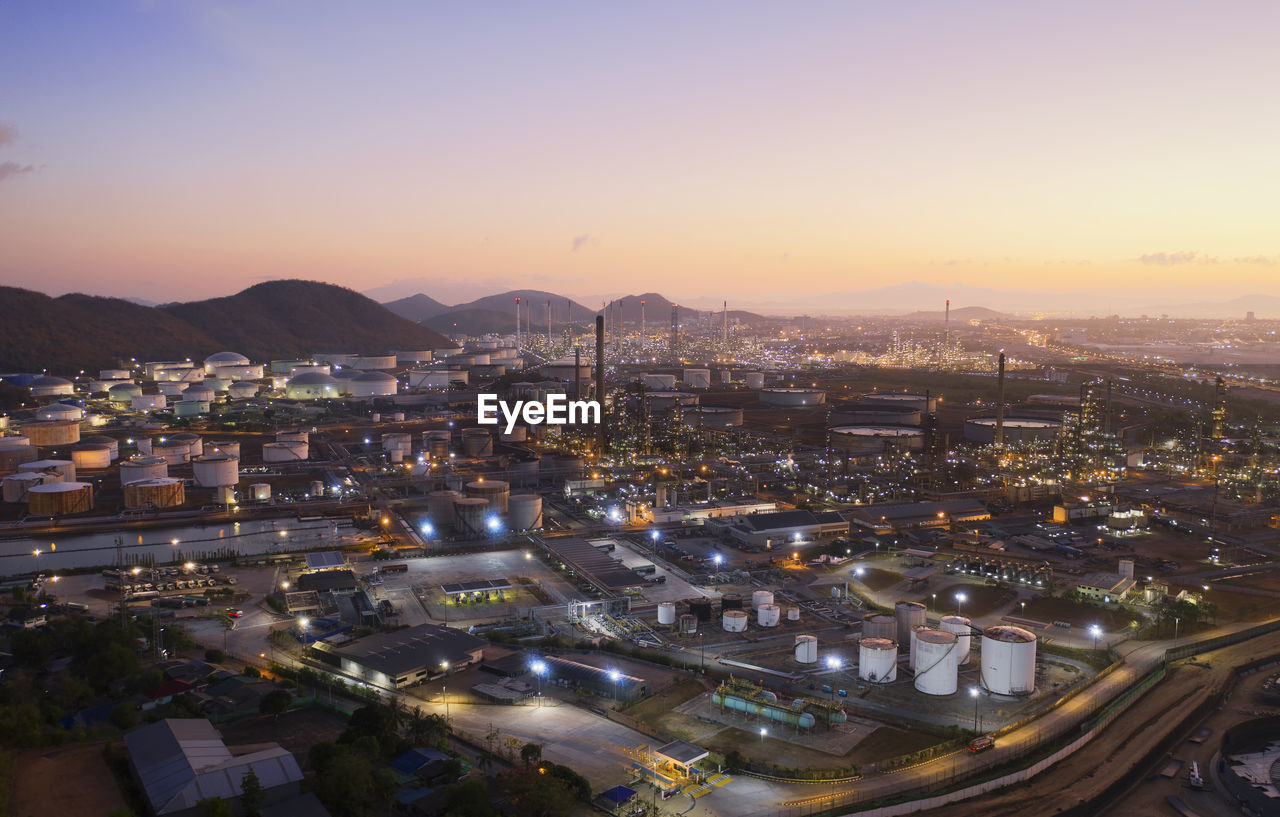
(1111, 619)
(41, 778)
(296, 730)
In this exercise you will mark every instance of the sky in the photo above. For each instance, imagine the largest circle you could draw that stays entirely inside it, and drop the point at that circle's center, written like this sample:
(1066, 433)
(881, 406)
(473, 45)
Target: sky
(753, 151)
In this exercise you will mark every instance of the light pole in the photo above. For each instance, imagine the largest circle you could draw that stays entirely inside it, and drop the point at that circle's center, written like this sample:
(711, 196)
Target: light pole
(444, 693)
(961, 598)
(1176, 622)
(539, 667)
(615, 677)
(1095, 631)
(702, 650)
(933, 605)
(834, 664)
(763, 732)
(973, 693)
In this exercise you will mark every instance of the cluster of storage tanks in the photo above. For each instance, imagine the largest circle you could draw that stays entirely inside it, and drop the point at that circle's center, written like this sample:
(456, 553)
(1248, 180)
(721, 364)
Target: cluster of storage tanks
(1001, 569)
(481, 503)
(879, 422)
(935, 654)
(735, 614)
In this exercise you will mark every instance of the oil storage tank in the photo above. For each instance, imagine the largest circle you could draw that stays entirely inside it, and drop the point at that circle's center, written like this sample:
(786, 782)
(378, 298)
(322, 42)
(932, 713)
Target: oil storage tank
(477, 442)
(90, 456)
(734, 621)
(908, 614)
(791, 396)
(666, 613)
(524, 511)
(962, 628)
(216, 471)
(291, 451)
(768, 615)
(496, 491)
(806, 649)
(60, 498)
(173, 452)
(143, 466)
(879, 625)
(878, 660)
(471, 514)
(18, 486)
(440, 506)
(66, 469)
(52, 433)
(759, 598)
(112, 444)
(937, 662)
(1008, 660)
(163, 492)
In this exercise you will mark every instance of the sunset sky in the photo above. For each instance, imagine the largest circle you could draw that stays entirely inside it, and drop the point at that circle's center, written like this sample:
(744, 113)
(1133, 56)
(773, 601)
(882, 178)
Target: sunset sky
(178, 150)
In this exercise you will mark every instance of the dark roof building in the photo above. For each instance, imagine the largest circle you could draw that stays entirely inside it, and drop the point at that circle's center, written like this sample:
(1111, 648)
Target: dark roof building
(410, 656)
(333, 581)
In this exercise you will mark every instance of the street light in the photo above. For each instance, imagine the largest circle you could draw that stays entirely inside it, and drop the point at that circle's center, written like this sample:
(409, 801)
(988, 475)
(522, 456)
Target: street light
(834, 664)
(539, 668)
(763, 732)
(444, 692)
(615, 677)
(1095, 631)
(973, 693)
(961, 598)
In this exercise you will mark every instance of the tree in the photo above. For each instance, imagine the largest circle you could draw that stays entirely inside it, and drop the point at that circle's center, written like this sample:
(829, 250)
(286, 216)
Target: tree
(276, 702)
(252, 672)
(531, 753)
(215, 656)
(124, 716)
(734, 759)
(534, 793)
(469, 798)
(577, 784)
(215, 807)
(251, 794)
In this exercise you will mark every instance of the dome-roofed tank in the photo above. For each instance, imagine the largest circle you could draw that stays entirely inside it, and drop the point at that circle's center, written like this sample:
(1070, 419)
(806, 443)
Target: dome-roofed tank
(1008, 660)
(313, 385)
(217, 359)
(50, 386)
(373, 384)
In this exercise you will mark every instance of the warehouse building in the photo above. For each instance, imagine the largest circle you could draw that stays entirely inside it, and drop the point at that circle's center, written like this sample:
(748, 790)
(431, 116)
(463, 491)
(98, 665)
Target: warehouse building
(408, 657)
(769, 530)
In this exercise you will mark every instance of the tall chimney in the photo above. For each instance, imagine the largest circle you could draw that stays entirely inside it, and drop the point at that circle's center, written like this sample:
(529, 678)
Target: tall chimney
(548, 324)
(517, 324)
(642, 317)
(600, 375)
(946, 326)
(675, 333)
(999, 436)
(724, 329)
(577, 373)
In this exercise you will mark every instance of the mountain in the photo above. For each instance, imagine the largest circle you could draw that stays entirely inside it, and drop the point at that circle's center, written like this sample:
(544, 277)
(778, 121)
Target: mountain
(963, 313)
(475, 322)
(282, 318)
(74, 332)
(417, 308)
(271, 320)
(562, 309)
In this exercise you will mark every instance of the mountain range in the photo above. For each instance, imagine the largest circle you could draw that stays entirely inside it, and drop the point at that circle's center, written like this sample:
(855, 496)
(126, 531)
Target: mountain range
(276, 319)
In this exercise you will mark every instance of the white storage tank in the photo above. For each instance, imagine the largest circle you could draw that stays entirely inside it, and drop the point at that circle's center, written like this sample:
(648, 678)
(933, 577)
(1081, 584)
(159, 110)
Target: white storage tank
(374, 362)
(477, 442)
(908, 614)
(260, 491)
(525, 511)
(14, 441)
(962, 628)
(59, 411)
(926, 404)
(291, 451)
(660, 401)
(937, 662)
(783, 396)
(312, 386)
(52, 433)
(114, 374)
(398, 442)
(697, 378)
(806, 649)
(1008, 660)
(658, 382)
(734, 621)
(911, 650)
(200, 392)
(496, 491)
(768, 615)
(294, 435)
(91, 457)
(50, 386)
(110, 442)
(666, 613)
(63, 468)
(174, 452)
(190, 408)
(440, 507)
(149, 402)
(409, 357)
(171, 389)
(517, 434)
(471, 515)
(142, 467)
(231, 448)
(213, 361)
(879, 625)
(17, 486)
(753, 380)
(793, 614)
(242, 390)
(11, 456)
(374, 384)
(195, 446)
(761, 597)
(878, 660)
(216, 471)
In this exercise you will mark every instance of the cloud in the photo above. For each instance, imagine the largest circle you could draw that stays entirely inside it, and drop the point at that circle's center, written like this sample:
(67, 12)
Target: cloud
(8, 169)
(584, 240)
(1169, 259)
(1257, 260)
(8, 134)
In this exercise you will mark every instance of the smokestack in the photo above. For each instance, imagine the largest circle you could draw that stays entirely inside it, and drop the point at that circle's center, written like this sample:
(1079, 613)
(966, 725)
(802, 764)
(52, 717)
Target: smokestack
(577, 373)
(724, 317)
(600, 374)
(675, 333)
(642, 317)
(946, 325)
(548, 324)
(517, 324)
(1106, 423)
(999, 437)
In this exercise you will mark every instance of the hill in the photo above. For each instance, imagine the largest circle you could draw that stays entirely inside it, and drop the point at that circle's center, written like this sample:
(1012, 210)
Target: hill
(562, 309)
(964, 313)
(271, 320)
(657, 311)
(417, 308)
(282, 318)
(75, 332)
(474, 322)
